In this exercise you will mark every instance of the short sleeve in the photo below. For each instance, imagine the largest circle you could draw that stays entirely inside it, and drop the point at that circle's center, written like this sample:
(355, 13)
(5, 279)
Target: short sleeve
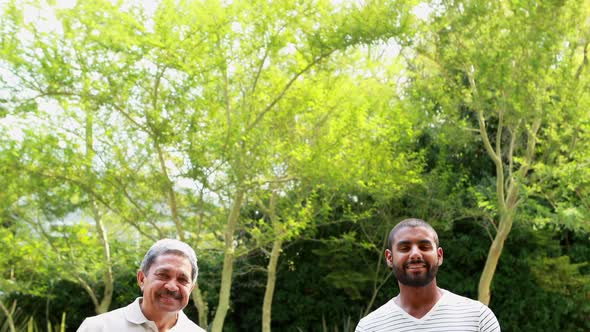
(359, 328)
(487, 320)
(85, 327)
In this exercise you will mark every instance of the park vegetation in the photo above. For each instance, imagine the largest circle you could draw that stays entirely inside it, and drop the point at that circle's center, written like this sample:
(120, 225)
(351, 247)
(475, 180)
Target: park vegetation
(283, 140)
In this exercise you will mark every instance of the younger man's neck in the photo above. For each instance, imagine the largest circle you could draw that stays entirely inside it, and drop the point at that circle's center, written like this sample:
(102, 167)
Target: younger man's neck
(418, 301)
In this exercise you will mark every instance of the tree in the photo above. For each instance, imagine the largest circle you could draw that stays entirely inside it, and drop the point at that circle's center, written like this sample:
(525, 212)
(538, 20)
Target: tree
(188, 97)
(509, 69)
(35, 216)
(65, 173)
(355, 142)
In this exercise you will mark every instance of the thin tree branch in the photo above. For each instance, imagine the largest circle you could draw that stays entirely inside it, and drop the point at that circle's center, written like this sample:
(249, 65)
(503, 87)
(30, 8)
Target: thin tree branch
(261, 115)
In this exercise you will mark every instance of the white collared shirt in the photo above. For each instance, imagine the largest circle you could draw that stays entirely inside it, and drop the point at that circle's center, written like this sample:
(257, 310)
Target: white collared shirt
(131, 319)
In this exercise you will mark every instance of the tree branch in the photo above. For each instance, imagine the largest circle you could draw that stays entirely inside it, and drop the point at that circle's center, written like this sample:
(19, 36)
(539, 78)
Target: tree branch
(8, 317)
(286, 88)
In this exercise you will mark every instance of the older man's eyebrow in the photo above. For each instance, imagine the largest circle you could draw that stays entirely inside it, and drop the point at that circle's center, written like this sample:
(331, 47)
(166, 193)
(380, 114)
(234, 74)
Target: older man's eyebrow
(169, 271)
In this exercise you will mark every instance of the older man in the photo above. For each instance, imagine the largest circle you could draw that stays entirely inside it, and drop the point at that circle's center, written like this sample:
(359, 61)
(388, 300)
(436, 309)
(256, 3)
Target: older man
(414, 256)
(167, 276)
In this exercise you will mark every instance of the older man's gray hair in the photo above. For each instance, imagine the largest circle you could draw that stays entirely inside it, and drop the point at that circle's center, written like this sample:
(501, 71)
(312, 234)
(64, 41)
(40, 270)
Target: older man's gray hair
(170, 246)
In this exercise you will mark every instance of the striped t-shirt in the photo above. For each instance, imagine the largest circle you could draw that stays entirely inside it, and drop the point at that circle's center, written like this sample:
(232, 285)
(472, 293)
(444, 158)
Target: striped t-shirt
(451, 313)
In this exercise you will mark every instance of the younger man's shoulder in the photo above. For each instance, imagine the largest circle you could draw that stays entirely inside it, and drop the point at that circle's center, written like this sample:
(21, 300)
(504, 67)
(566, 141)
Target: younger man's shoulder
(382, 315)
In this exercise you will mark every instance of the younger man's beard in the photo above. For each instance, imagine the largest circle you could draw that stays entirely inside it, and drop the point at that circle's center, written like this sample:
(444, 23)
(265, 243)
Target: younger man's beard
(415, 280)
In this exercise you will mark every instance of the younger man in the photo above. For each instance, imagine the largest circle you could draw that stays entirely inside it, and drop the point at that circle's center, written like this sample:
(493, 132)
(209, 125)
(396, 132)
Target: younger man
(414, 255)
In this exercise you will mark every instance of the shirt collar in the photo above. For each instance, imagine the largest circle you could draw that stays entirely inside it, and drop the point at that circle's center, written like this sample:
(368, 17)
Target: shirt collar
(133, 313)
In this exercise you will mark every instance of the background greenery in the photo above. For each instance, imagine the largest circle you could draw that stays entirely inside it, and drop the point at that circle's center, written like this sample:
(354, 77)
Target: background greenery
(283, 140)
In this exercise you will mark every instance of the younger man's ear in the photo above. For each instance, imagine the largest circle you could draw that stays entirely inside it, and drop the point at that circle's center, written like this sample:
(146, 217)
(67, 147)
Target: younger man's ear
(389, 258)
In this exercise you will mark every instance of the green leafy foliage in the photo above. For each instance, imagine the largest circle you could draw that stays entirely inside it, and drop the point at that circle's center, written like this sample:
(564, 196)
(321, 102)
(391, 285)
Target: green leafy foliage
(318, 125)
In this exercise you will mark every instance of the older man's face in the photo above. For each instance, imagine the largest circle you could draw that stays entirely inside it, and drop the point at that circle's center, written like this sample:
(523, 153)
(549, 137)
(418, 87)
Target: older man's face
(167, 285)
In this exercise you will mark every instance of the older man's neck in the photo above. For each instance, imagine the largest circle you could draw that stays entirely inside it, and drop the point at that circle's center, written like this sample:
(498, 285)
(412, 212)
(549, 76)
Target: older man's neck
(164, 320)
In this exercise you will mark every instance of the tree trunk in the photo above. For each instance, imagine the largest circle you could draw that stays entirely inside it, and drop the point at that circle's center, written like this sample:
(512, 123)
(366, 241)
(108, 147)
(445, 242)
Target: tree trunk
(107, 296)
(199, 301)
(90, 292)
(170, 192)
(507, 195)
(105, 302)
(228, 261)
(485, 281)
(378, 284)
(201, 305)
(270, 283)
